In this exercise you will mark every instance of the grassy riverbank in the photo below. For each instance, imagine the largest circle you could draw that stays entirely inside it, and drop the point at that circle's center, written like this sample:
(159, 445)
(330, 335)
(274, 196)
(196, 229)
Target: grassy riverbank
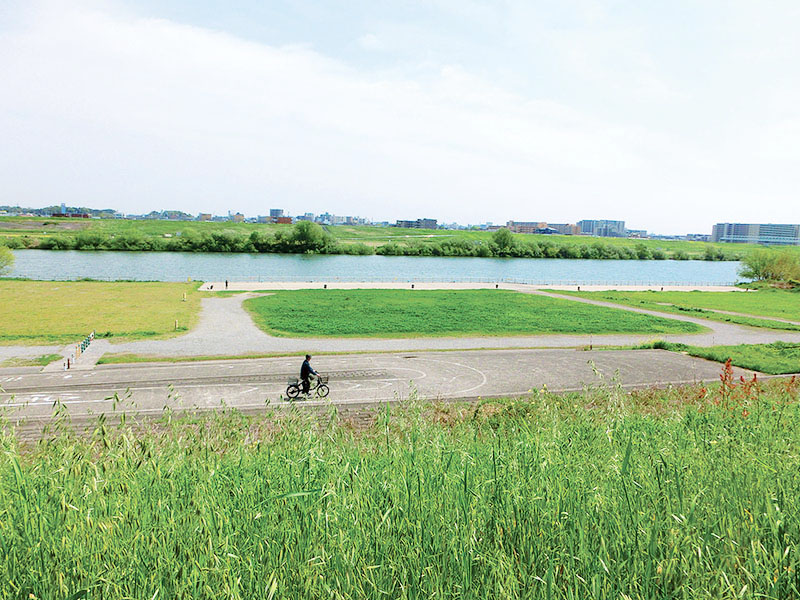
(691, 492)
(60, 312)
(411, 313)
(752, 305)
(778, 358)
(191, 236)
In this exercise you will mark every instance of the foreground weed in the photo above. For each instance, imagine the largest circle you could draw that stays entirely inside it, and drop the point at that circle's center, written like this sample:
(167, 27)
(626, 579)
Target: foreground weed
(690, 492)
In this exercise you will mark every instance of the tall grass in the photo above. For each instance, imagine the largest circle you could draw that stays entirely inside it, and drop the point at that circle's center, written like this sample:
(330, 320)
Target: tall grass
(682, 493)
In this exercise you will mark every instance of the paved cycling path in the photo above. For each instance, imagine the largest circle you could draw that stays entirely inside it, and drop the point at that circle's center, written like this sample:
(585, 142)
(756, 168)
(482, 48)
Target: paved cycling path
(361, 380)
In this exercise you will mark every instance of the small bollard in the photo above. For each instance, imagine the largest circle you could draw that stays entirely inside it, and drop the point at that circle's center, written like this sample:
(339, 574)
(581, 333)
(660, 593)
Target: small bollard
(325, 286)
(67, 364)
(176, 324)
(184, 296)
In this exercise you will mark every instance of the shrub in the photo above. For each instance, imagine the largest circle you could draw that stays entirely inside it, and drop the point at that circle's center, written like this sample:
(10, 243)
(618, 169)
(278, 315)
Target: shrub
(768, 264)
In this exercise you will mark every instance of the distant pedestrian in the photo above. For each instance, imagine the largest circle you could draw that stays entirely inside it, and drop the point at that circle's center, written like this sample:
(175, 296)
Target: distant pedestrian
(226, 284)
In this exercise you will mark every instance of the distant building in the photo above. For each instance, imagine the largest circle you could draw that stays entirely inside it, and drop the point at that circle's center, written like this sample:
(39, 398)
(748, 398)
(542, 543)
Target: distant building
(275, 212)
(602, 227)
(542, 227)
(769, 234)
(263, 219)
(283, 220)
(418, 224)
(565, 228)
(698, 237)
(238, 218)
(636, 233)
(525, 226)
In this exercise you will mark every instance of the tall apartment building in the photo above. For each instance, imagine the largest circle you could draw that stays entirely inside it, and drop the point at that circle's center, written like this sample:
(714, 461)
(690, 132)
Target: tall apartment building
(769, 234)
(275, 212)
(602, 227)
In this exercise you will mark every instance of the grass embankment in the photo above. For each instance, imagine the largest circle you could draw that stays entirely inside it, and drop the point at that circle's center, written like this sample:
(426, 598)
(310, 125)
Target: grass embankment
(778, 358)
(412, 313)
(689, 493)
(781, 304)
(36, 361)
(56, 312)
(193, 236)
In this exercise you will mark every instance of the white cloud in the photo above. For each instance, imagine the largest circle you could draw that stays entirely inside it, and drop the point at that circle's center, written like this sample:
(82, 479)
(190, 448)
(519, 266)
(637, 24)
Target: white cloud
(106, 108)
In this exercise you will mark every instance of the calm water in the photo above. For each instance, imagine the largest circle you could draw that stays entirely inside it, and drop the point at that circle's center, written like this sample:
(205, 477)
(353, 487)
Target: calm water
(177, 266)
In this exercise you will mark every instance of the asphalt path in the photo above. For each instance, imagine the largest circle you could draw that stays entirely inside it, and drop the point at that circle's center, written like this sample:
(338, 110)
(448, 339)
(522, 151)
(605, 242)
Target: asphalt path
(30, 397)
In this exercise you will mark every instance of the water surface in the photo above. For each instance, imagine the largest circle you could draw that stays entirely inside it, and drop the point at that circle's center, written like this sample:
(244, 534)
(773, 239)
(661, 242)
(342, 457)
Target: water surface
(178, 266)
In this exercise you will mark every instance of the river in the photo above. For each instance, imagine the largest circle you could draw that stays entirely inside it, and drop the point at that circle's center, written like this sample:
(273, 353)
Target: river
(178, 266)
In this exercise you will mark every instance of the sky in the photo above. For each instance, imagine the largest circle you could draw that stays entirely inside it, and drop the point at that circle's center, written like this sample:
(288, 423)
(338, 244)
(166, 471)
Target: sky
(671, 116)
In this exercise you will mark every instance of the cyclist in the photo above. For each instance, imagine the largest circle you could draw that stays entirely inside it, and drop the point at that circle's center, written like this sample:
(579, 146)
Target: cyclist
(305, 374)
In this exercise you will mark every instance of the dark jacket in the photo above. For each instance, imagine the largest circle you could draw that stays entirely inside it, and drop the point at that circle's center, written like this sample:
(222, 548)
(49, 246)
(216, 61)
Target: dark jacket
(306, 370)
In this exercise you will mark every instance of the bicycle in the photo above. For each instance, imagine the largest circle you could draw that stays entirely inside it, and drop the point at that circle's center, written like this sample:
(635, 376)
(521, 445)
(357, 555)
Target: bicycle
(319, 387)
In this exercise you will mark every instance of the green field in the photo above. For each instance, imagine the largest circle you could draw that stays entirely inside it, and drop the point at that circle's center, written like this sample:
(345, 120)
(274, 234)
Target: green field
(781, 304)
(119, 234)
(60, 312)
(412, 313)
(686, 493)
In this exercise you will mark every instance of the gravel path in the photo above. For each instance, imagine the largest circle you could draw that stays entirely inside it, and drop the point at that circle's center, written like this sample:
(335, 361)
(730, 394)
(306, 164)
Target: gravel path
(225, 328)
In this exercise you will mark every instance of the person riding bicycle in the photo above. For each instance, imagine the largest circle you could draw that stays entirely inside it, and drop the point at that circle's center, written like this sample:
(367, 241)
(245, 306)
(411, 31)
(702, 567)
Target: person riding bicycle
(305, 374)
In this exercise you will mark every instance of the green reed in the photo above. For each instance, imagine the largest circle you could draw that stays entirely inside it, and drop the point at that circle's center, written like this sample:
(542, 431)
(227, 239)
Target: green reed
(683, 493)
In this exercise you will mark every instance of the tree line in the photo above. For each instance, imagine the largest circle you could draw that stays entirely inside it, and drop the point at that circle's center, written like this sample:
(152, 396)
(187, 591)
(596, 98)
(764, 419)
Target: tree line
(310, 238)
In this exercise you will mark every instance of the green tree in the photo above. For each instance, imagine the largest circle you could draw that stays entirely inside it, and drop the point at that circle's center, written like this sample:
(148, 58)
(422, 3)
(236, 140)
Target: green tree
(310, 237)
(503, 239)
(6, 260)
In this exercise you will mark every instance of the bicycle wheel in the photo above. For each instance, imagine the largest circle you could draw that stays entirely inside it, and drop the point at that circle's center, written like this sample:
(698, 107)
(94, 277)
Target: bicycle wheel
(293, 390)
(322, 390)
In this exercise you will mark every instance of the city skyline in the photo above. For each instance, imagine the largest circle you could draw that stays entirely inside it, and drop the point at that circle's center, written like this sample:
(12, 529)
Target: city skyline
(779, 233)
(672, 118)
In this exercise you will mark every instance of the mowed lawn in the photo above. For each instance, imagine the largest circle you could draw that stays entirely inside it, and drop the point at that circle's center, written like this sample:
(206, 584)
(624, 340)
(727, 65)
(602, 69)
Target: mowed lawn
(406, 313)
(781, 304)
(42, 312)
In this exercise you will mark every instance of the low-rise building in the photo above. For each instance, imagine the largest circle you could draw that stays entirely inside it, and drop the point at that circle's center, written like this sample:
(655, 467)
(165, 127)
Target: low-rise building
(525, 226)
(542, 227)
